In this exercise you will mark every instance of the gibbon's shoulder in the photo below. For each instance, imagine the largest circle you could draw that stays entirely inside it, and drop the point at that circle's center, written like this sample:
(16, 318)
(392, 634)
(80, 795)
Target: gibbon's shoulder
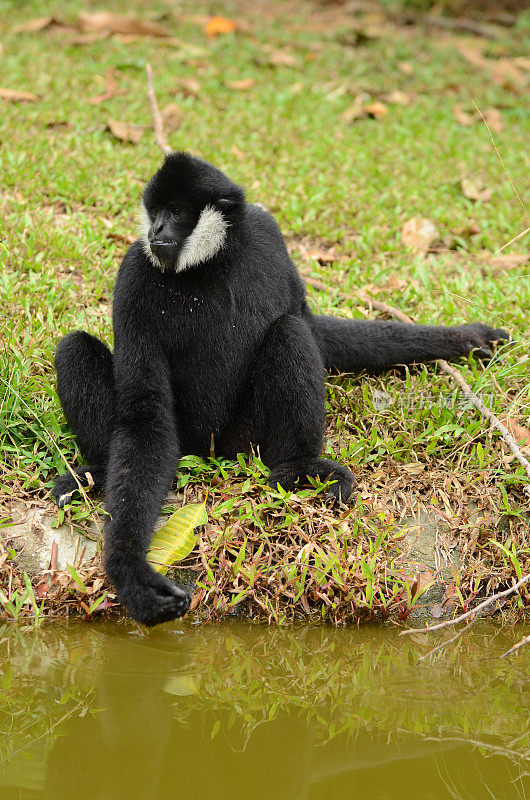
(261, 222)
(259, 213)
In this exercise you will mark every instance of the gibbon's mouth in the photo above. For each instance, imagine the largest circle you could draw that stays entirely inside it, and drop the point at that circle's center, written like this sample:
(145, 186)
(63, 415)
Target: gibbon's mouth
(166, 252)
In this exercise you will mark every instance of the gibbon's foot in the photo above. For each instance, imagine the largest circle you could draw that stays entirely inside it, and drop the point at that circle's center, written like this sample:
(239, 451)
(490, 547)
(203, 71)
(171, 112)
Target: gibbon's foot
(293, 474)
(66, 485)
(150, 598)
(479, 336)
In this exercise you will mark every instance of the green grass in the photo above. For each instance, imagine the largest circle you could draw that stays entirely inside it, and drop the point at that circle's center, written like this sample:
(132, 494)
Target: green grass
(69, 194)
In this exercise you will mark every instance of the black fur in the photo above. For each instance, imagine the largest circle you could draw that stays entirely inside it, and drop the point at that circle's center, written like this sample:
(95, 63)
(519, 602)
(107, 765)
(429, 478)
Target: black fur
(226, 347)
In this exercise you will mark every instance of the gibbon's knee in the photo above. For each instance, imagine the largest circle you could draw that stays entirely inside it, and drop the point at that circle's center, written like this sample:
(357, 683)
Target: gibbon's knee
(80, 350)
(85, 385)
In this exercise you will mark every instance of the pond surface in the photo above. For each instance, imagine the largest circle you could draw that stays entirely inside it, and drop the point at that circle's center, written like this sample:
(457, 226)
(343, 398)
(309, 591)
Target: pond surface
(239, 711)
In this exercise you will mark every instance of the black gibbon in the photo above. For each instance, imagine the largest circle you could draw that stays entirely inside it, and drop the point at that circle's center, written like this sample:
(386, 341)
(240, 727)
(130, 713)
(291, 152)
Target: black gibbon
(212, 336)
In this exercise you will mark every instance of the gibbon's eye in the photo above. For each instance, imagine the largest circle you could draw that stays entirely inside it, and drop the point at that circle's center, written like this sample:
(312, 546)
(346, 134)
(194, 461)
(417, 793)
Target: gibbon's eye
(175, 211)
(154, 212)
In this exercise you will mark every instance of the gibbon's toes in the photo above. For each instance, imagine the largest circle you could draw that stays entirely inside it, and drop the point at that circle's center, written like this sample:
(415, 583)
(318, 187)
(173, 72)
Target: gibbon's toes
(341, 489)
(65, 486)
(484, 353)
(291, 475)
(481, 335)
(333, 494)
(152, 599)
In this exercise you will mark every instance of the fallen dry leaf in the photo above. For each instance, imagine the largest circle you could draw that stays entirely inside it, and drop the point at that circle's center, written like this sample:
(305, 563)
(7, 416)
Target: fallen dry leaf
(493, 118)
(189, 87)
(522, 61)
(89, 38)
(397, 97)
(171, 116)
(125, 131)
(218, 26)
(355, 110)
(127, 238)
(111, 89)
(414, 468)
(462, 117)
(506, 72)
(405, 68)
(322, 256)
(282, 58)
(473, 55)
(376, 110)
(425, 580)
(474, 190)
(471, 229)
(360, 109)
(519, 432)
(437, 611)
(505, 261)
(14, 96)
(241, 85)
(395, 282)
(118, 23)
(419, 233)
(36, 25)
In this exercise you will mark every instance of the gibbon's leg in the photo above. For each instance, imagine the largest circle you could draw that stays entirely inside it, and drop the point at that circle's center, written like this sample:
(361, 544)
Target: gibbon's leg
(85, 385)
(353, 345)
(285, 405)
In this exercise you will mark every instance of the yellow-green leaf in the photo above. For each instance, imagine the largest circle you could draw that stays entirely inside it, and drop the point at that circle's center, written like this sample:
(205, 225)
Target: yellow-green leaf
(177, 538)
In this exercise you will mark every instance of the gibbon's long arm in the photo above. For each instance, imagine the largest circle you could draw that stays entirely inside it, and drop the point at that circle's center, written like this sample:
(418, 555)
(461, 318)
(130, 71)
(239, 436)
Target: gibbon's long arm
(375, 345)
(144, 453)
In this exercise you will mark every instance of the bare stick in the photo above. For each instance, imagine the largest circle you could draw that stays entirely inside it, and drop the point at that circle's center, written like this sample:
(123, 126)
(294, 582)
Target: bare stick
(489, 415)
(481, 606)
(474, 399)
(519, 235)
(157, 119)
(502, 162)
(524, 640)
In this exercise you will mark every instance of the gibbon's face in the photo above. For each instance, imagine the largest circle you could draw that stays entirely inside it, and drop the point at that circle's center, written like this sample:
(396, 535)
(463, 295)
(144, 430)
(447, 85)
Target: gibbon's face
(186, 209)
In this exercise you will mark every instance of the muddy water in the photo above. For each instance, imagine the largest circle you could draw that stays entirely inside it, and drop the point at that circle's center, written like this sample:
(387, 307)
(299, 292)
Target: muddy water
(242, 711)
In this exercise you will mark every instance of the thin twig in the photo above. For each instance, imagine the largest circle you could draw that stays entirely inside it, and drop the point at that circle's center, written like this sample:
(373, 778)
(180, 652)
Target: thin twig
(474, 399)
(489, 415)
(524, 640)
(519, 235)
(461, 24)
(157, 119)
(481, 606)
(500, 159)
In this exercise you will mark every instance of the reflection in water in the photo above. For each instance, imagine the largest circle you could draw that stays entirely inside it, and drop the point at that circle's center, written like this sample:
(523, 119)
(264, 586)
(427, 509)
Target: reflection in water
(242, 711)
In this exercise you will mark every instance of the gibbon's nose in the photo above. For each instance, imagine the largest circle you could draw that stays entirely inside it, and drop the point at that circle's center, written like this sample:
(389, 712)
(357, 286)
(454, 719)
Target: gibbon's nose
(158, 231)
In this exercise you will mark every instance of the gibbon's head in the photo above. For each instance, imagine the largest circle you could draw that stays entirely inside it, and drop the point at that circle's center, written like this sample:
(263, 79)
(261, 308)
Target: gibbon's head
(186, 209)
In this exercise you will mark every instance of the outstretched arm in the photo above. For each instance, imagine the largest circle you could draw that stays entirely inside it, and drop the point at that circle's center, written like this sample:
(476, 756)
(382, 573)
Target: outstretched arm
(353, 345)
(144, 454)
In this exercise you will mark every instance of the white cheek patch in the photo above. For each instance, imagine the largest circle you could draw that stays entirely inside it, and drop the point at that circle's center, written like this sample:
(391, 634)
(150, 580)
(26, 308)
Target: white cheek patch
(203, 243)
(206, 239)
(144, 224)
